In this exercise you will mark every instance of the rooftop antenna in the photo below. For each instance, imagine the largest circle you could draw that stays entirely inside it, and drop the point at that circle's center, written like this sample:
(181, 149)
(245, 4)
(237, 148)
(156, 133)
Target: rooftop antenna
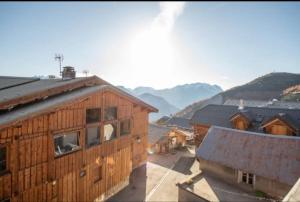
(86, 72)
(60, 59)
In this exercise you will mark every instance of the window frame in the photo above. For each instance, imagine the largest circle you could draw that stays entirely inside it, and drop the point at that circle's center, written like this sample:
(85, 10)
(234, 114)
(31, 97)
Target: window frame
(62, 133)
(86, 135)
(248, 177)
(100, 115)
(130, 127)
(6, 170)
(106, 108)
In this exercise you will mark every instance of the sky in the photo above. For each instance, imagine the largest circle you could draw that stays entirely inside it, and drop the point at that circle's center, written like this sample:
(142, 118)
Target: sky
(157, 44)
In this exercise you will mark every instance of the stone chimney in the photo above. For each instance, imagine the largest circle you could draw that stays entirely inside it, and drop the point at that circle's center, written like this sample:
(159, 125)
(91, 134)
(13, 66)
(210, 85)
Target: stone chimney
(68, 73)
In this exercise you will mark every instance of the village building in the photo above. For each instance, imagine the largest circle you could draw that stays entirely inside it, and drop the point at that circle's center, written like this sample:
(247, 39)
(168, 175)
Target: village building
(276, 121)
(158, 138)
(69, 139)
(274, 103)
(179, 123)
(182, 131)
(248, 161)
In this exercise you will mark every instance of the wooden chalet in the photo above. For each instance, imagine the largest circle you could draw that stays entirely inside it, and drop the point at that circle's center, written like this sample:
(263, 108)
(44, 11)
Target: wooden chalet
(276, 121)
(70, 139)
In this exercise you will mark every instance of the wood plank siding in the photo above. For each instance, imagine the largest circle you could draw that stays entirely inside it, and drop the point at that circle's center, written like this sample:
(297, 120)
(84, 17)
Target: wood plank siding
(34, 173)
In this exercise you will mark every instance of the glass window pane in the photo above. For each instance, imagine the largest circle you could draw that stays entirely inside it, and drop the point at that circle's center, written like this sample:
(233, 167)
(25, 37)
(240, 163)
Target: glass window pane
(244, 177)
(110, 132)
(110, 113)
(65, 143)
(125, 127)
(93, 115)
(92, 136)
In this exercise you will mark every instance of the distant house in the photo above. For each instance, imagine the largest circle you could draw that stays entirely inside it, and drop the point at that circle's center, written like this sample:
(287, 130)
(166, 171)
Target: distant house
(180, 123)
(158, 138)
(257, 119)
(261, 103)
(251, 161)
(69, 139)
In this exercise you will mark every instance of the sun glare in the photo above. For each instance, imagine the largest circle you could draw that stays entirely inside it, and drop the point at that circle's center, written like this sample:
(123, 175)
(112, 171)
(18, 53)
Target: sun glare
(152, 48)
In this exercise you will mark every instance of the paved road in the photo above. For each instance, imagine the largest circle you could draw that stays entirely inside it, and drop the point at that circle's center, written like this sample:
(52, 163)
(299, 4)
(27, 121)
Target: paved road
(157, 180)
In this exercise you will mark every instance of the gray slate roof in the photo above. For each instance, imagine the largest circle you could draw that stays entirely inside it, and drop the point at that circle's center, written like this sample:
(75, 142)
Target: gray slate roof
(219, 115)
(273, 157)
(157, 132)
(10, 81)
(38, 107)
(34, 86)
(179, 122)
(261, 103)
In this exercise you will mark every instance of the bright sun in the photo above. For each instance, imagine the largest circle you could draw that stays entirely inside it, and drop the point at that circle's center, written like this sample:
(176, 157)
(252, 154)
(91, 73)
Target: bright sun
(152, 48)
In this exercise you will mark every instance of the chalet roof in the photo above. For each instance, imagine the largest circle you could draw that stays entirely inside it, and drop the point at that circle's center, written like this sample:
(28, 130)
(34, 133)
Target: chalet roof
(157, 132)
(220, 115)
(25, 92)
(180, 122)
(40, 107)
(264, 103)
(273, 157)
(28, 95)
(10, 81)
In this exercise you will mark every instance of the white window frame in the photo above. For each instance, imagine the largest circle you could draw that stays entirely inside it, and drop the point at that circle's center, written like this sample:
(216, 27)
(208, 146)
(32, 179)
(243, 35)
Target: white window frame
(240, 178)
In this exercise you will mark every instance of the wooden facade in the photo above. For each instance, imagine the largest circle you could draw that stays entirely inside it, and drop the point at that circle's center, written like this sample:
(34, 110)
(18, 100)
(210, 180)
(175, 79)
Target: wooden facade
(199, 133)
(278, 127)
(33, 171)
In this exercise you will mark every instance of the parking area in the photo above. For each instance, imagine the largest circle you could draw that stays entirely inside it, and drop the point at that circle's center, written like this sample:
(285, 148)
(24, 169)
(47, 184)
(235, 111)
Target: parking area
(156, 181)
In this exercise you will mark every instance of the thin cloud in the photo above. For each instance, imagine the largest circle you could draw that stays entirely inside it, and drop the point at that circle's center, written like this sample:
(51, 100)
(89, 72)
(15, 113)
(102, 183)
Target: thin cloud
(169, 12)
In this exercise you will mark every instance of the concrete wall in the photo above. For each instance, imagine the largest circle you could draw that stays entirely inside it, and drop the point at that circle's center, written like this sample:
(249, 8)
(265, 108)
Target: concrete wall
(187, 196)
(223, 172)
(270, 187)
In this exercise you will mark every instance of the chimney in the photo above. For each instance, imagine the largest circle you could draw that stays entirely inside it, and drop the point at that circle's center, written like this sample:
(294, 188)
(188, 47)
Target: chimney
(241, 106)
(68, 73)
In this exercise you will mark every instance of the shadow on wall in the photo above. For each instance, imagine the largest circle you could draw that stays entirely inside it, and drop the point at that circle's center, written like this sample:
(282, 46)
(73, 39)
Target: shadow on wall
(136, 190)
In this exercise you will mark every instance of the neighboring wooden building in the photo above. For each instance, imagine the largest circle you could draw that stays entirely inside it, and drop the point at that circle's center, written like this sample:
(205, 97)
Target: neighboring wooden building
(158, 138)
(68, 140)
(179, 138)
(252, 161)
(256, 119)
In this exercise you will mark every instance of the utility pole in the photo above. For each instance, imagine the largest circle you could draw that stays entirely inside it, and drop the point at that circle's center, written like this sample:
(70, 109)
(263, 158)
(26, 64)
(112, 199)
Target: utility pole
(60, 59)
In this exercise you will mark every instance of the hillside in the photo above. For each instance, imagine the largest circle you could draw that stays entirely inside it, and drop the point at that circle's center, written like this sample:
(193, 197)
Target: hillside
(291, 94)
(265, 87)
(164, 107)
(182, 95)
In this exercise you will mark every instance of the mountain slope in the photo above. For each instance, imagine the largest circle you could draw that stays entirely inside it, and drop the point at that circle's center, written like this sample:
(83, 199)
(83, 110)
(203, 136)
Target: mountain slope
(181, 95)
(265, 87)
(164, 107)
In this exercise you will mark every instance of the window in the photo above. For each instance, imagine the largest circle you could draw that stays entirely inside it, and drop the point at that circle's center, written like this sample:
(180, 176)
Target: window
(93, 115)
(247, 178)
(65, 143)
(125, 127)
(2, 159)
(110, 131)
(110, 113)
(92, 136)
(98, 174)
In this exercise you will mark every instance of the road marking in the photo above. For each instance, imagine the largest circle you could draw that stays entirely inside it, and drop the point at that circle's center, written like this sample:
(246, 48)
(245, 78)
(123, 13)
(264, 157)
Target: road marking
(161, 180)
